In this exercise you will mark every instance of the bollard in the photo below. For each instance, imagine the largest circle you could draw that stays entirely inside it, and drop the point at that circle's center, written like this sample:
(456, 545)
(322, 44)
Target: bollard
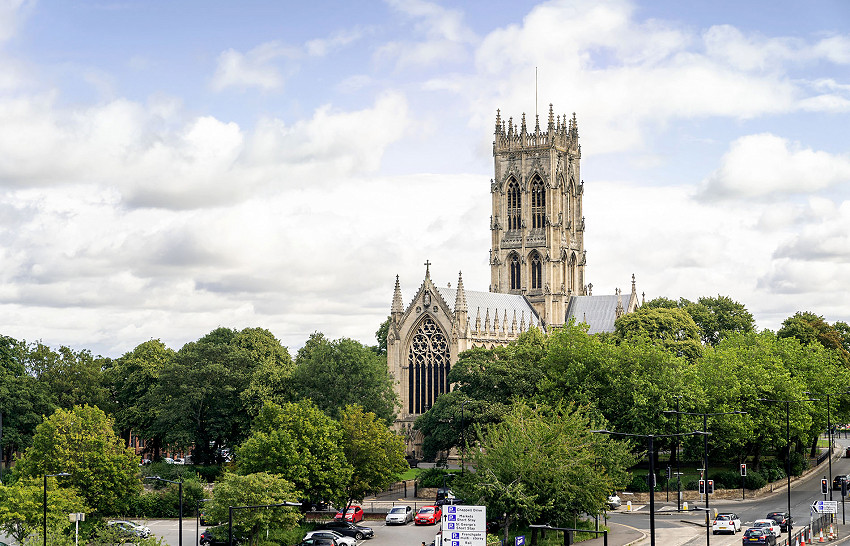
(685, 506)
(628, 506)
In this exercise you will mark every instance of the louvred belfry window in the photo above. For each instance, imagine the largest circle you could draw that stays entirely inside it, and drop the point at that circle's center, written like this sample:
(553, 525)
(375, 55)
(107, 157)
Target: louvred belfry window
(428, 366)
(514, 205)
(538, 203)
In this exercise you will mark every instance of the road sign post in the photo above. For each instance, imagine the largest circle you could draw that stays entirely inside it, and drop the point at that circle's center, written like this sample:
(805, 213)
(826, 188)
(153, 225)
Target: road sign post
(464, 525)
(825, 507)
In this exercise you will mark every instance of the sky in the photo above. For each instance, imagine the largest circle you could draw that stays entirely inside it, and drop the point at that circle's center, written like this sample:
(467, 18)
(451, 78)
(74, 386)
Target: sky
(167, 168)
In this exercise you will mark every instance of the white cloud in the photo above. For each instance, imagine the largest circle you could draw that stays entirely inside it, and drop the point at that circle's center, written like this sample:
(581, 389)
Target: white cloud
(440, 36)
(253, 69)
(768, 166)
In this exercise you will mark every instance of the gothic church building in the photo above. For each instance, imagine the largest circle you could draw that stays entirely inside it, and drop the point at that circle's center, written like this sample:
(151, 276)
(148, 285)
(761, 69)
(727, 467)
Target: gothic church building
(537, 269)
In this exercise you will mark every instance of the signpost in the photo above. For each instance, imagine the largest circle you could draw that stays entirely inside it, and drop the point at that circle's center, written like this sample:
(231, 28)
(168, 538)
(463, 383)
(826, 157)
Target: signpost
(464, 525)
(825, 507)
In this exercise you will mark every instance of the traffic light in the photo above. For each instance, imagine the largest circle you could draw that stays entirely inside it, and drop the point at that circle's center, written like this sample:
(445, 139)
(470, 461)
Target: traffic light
(843, 488)
(651, 481)
(824, 486)
(702, 487)
(709, 487)
(743, 469)
(669, 473)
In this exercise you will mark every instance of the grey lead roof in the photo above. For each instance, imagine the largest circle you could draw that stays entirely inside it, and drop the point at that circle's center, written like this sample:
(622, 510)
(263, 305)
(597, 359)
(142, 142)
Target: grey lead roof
(599, 312)
(494, 302)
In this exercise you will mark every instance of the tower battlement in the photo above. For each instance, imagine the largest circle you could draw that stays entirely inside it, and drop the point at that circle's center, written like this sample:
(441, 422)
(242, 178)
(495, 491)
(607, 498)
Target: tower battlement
(561, 132)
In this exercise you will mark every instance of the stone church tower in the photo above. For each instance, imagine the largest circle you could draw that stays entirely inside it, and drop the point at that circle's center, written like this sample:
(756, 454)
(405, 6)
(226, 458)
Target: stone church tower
(537, 271)
(537, 225)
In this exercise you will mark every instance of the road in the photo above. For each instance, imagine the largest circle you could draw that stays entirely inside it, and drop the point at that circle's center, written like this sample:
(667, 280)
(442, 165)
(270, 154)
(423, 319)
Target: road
(685, 529)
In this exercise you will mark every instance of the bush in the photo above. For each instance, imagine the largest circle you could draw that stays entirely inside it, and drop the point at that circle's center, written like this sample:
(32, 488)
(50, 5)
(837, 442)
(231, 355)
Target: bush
(754, 480)
(799, 463)
(164, 500)
(434, 477)
(772, 470)
(726, 479)
(640, 485)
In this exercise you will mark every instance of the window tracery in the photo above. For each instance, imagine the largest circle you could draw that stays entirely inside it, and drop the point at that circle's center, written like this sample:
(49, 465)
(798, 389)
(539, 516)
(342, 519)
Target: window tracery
(428, 366)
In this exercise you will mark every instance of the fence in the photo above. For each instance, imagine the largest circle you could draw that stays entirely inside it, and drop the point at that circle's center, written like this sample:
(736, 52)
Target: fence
(809, 533)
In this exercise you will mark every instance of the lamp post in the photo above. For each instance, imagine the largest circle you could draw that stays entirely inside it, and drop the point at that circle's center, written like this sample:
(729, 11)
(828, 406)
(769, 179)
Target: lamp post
(788, 443)
(62, 474)
(232, 508)
(651, 439)
(705, 456)
(180, 514)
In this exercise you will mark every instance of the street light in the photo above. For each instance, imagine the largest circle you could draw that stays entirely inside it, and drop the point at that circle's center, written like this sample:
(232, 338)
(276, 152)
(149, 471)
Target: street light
(788, 443)
(180, 514)
(705, 456)
(232, 508)
(651, 439)
(828, 432)
(62, 474)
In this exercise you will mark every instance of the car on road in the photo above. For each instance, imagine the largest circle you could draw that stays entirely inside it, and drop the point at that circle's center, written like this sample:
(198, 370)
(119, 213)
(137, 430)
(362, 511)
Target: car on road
(784, 519)
(353, 514)
(755, 535)
(726, 523)
(349, 529)
(337, 538)
(768, 524)
(613, 501)
(129, 528)
(428, 515)
(400, 515)
(838, 480)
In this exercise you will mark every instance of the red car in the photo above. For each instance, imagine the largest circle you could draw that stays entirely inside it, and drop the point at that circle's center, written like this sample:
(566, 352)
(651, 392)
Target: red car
(353, 514)
(428, 515)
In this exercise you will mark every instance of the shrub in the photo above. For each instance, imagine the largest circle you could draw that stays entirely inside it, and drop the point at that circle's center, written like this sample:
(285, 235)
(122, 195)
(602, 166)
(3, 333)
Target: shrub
(434, 477)
(754, 480)
(799, 463)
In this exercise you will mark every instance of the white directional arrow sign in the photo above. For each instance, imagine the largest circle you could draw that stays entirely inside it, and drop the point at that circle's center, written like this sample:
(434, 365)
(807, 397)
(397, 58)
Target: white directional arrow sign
(825, 507)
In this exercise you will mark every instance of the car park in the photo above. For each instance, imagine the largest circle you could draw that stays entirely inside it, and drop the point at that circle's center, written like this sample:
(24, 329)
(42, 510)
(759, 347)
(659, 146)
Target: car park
(755, 535)
(129, 528)
(726, 523)
(769, 524)
(349, 529)
(337, 538)
(784, 519)
(399, 515)
(428, 515)
(353, 514)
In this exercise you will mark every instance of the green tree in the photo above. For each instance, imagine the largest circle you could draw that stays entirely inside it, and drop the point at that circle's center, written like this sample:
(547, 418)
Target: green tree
(375, 453)
(271, 380)
(23, 399)
(82, 441)
(199, 402)
(544, 465)
(22, 507)
(255, 489)
(381, 337)
(673, 329)
(71, 377)
(334, 374)
(132, 379)
(719, 317)
(486, 382)
(298, 442)
(811, 328)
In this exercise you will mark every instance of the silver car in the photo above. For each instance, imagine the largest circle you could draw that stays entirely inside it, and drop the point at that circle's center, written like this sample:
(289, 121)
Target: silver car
(400, 515)
(333, 535)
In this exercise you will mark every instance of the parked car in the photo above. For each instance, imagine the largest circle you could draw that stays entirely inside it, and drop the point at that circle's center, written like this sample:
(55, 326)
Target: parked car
(428, 515)
(338, 538)
(400, 515)
(784, 519)
(758, 536)
(613, 501)
(726, 523)
(768, 524)
(443, 494)
(349, 529)
(218, 536)
(317, 542)
(129, 528)
(353, 514)
(837, 481)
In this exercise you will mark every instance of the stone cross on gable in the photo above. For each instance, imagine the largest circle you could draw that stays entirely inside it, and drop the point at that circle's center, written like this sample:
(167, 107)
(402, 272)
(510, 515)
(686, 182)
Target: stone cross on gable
(427, 267)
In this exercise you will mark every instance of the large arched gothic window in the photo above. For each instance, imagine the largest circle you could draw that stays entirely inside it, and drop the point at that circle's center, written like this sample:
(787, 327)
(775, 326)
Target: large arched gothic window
(428, 366)
(536, 272)
(516, 279)
(538, 202)
(514, 205)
